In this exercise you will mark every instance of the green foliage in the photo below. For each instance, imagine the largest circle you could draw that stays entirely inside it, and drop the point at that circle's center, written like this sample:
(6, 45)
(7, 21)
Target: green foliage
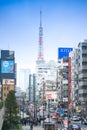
(11, 110)
(20, 127)
(5, 126)
(1, 104)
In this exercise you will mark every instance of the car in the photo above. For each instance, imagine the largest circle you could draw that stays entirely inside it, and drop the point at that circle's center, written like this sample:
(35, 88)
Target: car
(42, 117)
(74, 127)
(75, 118)
(51, 110)
(84, 121)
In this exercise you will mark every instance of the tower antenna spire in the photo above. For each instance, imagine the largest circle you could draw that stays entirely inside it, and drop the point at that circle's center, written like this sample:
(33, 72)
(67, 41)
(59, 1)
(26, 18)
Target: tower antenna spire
(40, 52)
(40, 18)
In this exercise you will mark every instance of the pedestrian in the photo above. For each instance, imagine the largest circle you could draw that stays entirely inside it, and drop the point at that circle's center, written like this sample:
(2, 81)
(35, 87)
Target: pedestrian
(31, 125)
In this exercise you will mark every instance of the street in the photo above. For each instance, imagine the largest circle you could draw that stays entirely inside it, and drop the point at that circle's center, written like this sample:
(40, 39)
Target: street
(50, 119)
(27, 127)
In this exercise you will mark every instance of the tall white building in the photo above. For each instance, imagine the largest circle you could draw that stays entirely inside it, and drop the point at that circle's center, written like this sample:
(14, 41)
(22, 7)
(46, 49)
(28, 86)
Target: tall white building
(23, 78)
(47, 73)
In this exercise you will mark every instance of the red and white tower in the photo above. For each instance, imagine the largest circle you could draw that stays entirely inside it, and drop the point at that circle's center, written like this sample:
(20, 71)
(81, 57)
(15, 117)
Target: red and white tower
(40, 59)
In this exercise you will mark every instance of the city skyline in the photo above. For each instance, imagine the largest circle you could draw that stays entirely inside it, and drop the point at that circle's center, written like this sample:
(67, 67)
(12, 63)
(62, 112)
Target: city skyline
(63, 22)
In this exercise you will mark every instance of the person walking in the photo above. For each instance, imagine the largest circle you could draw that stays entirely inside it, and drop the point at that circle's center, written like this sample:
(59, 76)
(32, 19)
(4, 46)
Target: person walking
(31, 125)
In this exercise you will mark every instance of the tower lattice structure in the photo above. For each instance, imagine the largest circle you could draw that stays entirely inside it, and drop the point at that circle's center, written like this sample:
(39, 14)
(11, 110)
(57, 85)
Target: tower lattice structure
(40, 52)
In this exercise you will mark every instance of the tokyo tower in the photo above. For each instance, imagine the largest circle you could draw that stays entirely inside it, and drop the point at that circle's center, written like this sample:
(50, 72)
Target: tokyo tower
(40, 59)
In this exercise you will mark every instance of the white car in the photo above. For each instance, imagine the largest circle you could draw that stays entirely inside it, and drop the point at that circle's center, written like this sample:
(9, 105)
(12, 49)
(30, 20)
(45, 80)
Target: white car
(75, 118)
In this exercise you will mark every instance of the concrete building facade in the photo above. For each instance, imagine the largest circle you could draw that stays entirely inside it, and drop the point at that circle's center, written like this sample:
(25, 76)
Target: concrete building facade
(82, 73)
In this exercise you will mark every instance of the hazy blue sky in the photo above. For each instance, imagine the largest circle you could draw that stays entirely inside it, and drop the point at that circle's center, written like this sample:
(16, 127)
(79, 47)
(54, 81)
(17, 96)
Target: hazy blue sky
(64, 25)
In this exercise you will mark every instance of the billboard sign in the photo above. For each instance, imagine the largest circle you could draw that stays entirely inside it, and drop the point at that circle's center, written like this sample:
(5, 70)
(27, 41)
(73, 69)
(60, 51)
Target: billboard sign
(48, 96)
(6, 54)
(8, 82)
(7, 66)
(60, 111)
(64, 52)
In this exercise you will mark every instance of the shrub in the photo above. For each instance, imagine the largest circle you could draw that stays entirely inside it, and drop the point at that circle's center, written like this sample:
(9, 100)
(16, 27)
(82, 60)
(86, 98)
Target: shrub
(1, 104)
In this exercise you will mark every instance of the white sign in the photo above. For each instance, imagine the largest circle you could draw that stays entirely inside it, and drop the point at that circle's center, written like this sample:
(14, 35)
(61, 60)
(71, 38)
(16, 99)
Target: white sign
(8, 82)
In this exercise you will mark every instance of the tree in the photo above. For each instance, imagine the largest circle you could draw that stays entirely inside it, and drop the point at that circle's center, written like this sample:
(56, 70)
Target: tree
(11, 110)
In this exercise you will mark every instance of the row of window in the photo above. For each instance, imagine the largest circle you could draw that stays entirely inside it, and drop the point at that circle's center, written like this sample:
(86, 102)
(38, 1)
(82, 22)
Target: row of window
(83, 87)
(83, 95)
(84, 63)
(83, 71)
(84, 47)
(84, 55)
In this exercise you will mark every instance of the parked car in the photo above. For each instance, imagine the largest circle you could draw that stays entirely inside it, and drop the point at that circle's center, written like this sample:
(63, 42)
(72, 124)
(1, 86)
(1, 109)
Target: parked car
(74, 127)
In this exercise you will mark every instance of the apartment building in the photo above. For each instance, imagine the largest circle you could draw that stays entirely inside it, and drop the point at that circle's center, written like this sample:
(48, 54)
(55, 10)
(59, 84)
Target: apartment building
(82, 73)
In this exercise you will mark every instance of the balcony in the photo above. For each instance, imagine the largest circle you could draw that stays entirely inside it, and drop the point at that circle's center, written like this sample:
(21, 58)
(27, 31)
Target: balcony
(84, 82)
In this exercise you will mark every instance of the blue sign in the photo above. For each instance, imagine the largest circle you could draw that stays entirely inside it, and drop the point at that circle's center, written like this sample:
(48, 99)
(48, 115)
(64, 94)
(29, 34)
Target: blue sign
(60, 111)
(7, 66)
(64, 52)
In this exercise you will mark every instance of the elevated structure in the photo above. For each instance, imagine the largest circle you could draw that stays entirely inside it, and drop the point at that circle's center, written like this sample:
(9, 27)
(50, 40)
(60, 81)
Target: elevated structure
(40, 59)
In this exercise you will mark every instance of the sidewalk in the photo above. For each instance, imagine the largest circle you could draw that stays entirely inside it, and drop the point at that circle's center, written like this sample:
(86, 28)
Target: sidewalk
(1, 117)
(27, 127)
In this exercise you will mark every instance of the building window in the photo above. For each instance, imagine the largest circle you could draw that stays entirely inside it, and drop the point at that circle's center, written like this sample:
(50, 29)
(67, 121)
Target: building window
(84, 87)
(84, 47)
(4, 88)
(84, 63)
(84, 71)
(84, 55)
(7, 88)
(84, 95)
(79, 64)
(5, 95)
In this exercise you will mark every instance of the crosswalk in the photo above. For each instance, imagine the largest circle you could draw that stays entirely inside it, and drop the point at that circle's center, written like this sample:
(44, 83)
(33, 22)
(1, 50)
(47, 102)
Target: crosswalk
(84, 128)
